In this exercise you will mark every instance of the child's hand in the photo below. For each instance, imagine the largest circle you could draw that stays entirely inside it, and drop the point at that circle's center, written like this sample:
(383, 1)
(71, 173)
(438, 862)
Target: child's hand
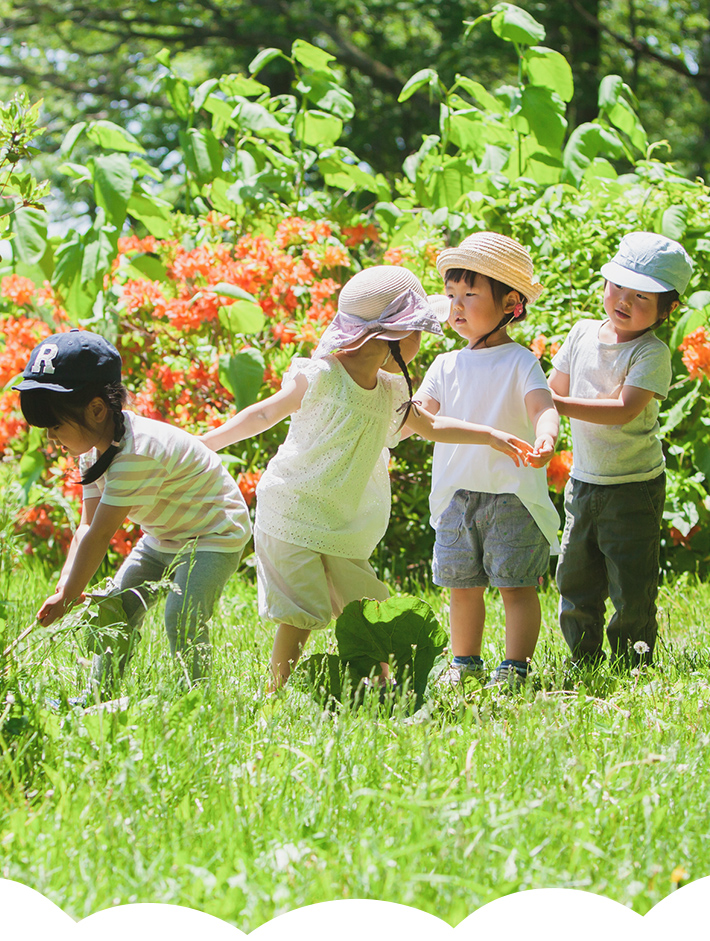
(542, 451)
(516, 449)
(55, 607)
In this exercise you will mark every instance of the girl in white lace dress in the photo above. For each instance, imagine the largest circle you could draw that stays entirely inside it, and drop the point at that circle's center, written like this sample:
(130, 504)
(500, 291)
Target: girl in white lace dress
(323, 502)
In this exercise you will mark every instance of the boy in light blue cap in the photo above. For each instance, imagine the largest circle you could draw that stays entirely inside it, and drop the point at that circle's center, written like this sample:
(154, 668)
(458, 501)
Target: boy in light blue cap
(608, 379)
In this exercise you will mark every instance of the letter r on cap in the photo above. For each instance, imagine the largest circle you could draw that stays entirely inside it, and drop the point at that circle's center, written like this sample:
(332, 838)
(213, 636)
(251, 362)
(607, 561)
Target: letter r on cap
(44, 359)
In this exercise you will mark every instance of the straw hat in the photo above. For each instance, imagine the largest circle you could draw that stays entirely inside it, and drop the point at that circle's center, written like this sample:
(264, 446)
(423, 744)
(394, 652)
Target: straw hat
(441, 305)
(385, 302)
(498, 257)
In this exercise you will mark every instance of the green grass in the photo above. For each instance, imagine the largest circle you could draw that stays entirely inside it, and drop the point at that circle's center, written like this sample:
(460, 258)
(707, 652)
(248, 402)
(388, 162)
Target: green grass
(245, 808)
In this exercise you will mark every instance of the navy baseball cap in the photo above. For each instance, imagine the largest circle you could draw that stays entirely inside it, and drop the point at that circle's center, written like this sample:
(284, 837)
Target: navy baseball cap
(66, 362)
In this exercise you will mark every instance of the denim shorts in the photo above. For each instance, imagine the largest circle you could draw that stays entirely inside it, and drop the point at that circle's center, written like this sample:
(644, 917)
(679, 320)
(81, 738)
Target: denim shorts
(488, 539)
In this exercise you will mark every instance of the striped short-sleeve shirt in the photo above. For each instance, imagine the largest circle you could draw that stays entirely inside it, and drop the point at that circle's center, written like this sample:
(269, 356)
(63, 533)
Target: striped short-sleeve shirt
(173, 487)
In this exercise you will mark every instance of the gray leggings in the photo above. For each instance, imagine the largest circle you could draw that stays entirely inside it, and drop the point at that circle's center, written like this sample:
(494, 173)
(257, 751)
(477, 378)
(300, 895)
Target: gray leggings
(200, 578)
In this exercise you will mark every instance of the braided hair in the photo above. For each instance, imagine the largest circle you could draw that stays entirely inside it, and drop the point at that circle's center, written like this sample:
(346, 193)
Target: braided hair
(498, 289)
(407, 406)
(45, 408)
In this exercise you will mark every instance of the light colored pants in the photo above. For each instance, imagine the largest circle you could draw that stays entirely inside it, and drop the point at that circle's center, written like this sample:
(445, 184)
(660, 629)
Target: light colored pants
(199, 578)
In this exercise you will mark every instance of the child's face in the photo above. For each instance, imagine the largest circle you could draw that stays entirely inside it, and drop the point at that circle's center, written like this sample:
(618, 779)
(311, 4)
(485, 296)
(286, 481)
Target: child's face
(630, 312)
(78, 439)
(473, 308)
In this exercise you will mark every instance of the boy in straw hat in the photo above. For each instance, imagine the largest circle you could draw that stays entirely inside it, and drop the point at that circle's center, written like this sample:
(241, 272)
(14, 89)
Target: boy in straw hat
(323, 502)
(608, 378)
(494, 523)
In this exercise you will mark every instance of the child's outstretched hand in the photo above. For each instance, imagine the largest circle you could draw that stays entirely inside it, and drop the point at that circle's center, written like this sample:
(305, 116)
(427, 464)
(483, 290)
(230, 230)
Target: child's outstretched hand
(55, 607)
(542, 451)
(516, 449)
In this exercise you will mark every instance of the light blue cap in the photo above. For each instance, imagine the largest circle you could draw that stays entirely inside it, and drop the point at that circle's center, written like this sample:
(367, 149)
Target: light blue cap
(649, 262)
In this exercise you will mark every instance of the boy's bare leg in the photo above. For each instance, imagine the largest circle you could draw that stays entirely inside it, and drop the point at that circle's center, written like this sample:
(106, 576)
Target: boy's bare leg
(467, 615)
(522, 622)
(288, 644)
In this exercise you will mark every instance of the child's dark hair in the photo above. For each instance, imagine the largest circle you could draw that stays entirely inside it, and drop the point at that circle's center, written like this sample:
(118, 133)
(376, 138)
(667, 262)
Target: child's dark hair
(499, 290)
(666, 299)
(397, 357)
(44, 408)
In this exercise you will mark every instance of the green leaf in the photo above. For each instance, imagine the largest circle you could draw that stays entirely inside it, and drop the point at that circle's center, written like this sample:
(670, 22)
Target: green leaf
(311, 56)
(204, 154)
(236, 86)
(71, 137)
(231, 290)
(256, 118)
(202, 92)
(585, 143)
(178, 93)
(113, 185)
(29, 227)
(242, 317)
(610, 88)
(674, 222)
(515, 25)
(402, 628)
(544, 114)
(691, 320)
(549, 69)
(449, 181)
(149, 266)
(243, 375)
(32, 462)
(153, 212)
(78, 172)
(263, 58)
(698, 300)
(317, 129)
(423, 77)
(322, 91)
(483, 97)
(674, 416)
(110, 136)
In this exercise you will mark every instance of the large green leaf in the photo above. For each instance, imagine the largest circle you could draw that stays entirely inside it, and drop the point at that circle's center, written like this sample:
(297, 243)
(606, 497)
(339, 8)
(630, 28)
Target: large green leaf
(674, 222)
(71, 137)
(153, 212)
(110, 136)
(235, 86)
(256, 118)
(317, 129)
(231, 290)
(549, 69)
(482, 96)
(263, 59)
(449, 181)
(690, 321)
(347, 176)
(242, 317)
(178, 92)
(515, 25)
(29, 227)
(544, 114)
(402, 628)
(113, 185)
(146, 265)
(311, 56)
(204, 154)
(243, 375)
(324, 92)
(421, 78)
(585, 143)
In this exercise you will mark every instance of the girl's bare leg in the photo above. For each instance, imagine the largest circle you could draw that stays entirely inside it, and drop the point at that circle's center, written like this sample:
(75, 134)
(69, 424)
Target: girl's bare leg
(522, 622)
(288, 644)
(467, 615)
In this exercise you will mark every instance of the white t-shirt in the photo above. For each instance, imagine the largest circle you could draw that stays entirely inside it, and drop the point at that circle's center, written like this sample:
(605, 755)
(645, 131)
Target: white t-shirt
(615, 454)
(327, 487)
(488, 387)
(173, 487)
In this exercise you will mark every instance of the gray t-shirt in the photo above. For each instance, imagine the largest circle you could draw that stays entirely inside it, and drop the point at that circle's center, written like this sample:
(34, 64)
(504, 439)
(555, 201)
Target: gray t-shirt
(615, 454)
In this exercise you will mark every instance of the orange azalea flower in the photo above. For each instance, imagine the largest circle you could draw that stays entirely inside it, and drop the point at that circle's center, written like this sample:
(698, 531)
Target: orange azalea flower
(696, 353)
(357, 234)
(284, 333)
(145, 296)
(554, 348)
(318, 231)
(21, 335)
(394, 256)
(322, 289)
(679, 539)
(70, 476)
(558, 470)
(17, 289)
(538, 345)
(131, 243)
(247, 484)
(271, 378)
(214, 219)
(289, 232)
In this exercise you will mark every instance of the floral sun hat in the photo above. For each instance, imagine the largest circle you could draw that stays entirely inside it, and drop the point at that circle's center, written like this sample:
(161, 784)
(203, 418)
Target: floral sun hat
(496, 256)
(385, 302)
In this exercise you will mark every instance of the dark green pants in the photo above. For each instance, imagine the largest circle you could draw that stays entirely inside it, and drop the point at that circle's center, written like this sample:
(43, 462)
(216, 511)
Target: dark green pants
(610, 549)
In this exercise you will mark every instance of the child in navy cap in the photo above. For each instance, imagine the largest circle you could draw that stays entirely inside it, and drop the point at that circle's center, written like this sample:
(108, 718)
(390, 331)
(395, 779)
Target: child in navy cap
(608, 378)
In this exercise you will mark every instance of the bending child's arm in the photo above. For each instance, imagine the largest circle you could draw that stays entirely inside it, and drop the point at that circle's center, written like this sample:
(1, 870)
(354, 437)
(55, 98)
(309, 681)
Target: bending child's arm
(453, 431)
(85, 556)
(545, 419)
(258, 417)
(630, 403)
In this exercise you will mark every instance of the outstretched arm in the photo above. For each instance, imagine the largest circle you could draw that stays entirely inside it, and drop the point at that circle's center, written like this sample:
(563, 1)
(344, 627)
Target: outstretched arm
(453, 431)
(620, 411)
(258, 417)
(546, 421)
(85, 556)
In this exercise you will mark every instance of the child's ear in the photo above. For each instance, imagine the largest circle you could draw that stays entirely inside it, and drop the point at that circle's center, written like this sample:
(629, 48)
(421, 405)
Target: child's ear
(97, 409)
(674, 305)
(511, 299)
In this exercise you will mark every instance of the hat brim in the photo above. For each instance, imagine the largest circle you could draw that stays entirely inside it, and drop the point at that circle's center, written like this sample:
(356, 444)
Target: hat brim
(626, 278)
(27, 384)
(462, 258)
(441, 305)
